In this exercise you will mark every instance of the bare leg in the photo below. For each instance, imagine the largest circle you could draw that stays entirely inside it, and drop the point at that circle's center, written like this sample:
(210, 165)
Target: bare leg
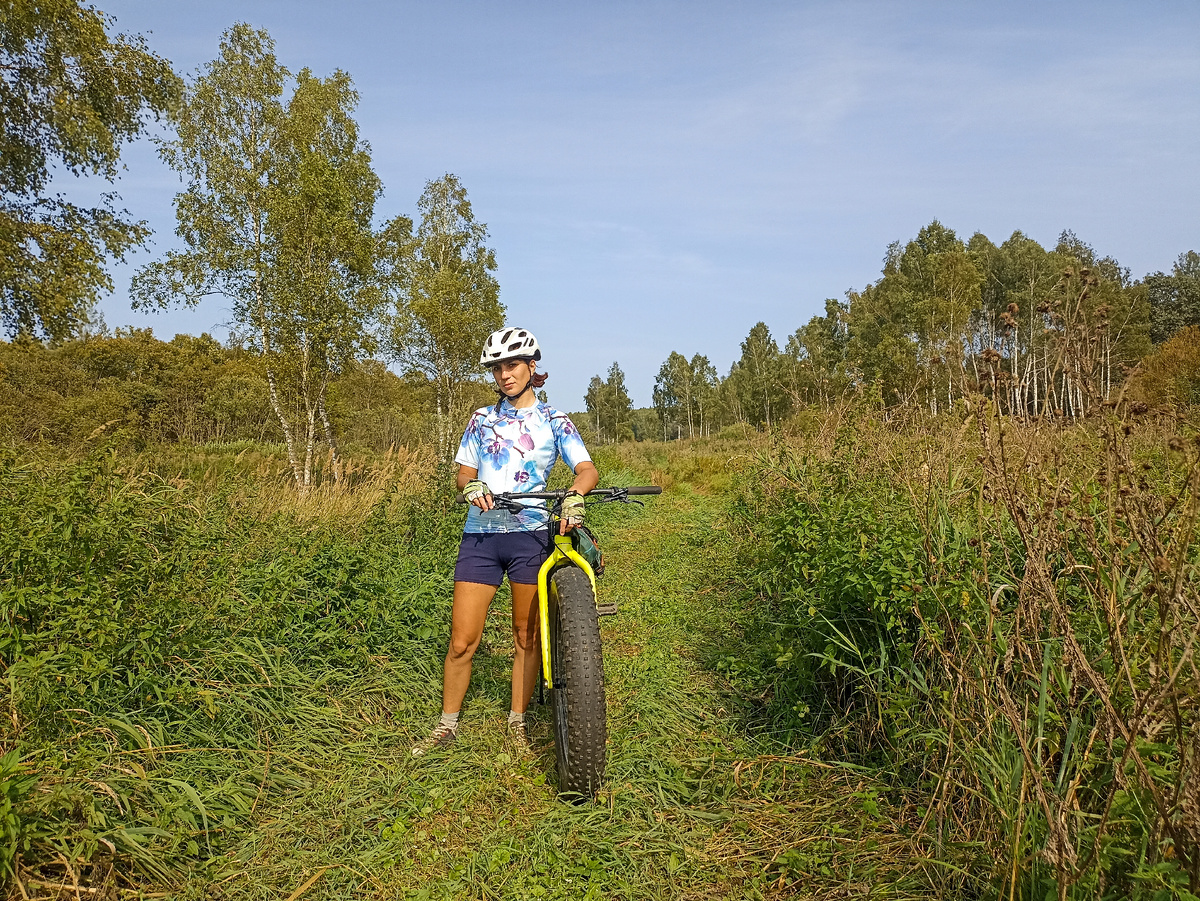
(527, 662)
(471, 601)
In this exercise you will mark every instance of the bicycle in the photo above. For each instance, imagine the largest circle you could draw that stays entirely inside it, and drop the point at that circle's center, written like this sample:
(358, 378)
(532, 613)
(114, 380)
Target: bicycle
(572, 664)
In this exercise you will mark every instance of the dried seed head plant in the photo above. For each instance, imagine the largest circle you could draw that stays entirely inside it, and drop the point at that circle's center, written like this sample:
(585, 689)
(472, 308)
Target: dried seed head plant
(1087, 666)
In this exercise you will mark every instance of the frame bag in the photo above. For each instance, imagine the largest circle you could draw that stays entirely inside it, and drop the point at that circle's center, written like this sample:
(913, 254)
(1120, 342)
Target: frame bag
(584, 541)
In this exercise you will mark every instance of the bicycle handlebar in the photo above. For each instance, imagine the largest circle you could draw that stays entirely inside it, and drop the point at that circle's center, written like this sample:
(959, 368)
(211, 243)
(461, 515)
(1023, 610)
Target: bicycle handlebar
(601, 493)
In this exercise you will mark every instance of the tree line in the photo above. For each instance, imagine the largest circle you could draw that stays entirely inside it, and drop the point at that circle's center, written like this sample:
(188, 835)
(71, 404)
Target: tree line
(1043, 332)
(131, 390)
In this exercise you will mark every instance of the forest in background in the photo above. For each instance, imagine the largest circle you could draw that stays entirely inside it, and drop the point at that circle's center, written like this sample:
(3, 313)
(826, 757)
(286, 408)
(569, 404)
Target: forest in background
(1042, 333)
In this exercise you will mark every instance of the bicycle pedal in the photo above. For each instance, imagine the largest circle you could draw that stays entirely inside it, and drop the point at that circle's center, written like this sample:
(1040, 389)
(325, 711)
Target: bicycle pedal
(606, 609)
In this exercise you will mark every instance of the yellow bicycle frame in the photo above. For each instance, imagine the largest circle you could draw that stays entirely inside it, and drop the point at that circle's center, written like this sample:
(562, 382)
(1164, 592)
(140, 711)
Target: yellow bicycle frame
(563, 551)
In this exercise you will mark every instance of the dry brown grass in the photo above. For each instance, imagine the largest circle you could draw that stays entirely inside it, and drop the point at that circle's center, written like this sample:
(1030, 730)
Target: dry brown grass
(400, 473)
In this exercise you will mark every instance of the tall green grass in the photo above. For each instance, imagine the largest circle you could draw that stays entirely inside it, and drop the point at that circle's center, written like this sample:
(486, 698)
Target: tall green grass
(957, 648)
(158, 640)
(999, 619)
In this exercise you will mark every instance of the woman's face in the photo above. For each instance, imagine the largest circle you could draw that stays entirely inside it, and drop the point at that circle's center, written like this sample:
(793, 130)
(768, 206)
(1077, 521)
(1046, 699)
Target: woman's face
(512, 376)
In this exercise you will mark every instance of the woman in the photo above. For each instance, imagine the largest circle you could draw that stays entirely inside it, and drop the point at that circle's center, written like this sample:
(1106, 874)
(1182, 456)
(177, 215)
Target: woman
(510, 446)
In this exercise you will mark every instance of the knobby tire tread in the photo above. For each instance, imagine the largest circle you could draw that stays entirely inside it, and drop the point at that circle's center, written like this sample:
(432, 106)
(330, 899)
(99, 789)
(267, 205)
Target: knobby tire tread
(580, 665)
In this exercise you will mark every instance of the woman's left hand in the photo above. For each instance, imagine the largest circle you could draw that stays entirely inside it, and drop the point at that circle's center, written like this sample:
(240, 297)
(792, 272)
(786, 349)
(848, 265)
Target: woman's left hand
(571, 514)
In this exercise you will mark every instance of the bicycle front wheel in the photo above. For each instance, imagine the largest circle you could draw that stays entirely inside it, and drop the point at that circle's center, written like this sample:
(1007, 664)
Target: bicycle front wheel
(577, 699)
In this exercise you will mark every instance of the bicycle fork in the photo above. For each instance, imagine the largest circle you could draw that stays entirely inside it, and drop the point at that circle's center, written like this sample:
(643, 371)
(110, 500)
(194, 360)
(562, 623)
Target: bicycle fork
(563, 551)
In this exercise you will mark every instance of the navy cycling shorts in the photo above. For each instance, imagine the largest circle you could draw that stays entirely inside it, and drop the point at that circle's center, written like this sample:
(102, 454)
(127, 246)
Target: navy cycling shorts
(485, 557)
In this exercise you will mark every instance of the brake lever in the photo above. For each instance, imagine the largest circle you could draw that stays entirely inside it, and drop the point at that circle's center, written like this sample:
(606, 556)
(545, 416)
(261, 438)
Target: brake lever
(620, 496)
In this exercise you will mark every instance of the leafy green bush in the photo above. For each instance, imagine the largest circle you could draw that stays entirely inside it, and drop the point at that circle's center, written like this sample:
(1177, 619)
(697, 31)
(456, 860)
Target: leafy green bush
(854, 586)
(1011, 640)
(14, 789)
(137, 614)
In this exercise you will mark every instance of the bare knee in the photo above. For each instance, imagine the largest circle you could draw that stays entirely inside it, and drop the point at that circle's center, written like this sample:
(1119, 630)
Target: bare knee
(525, 637)
(462, 647)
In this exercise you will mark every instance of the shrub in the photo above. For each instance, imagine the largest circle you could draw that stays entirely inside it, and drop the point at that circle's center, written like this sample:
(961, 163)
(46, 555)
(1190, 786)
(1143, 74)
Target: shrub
(1170, 377)
(136, 613)
(1006, 630)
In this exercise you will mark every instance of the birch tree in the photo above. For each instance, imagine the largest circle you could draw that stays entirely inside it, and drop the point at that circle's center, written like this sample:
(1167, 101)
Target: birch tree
(446, 299)
(673, 396)
(224, 151)
(703, 391)
(275, 217)
(608, 401)
(882, 346)
(762, 394)
(1018, 277)
(1100, 321)
(943, 288)
(815, 357)
(322, 291)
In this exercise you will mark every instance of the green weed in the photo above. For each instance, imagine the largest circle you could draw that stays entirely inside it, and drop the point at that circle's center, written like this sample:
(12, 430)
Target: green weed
(963, 609)
(158, 642)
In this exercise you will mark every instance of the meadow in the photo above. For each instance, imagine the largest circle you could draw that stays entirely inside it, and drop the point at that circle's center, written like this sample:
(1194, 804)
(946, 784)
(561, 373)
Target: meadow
(861, 655)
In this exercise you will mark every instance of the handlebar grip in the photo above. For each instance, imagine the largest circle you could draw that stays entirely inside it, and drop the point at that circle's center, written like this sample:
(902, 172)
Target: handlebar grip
(644, 489)
(460, 498)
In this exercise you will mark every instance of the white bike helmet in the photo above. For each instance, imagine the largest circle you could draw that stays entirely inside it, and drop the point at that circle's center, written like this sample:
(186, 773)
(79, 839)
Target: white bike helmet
(510, 343)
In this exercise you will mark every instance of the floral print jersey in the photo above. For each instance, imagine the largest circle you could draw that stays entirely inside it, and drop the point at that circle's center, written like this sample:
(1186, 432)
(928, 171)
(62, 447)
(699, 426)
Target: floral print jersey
(514, 450)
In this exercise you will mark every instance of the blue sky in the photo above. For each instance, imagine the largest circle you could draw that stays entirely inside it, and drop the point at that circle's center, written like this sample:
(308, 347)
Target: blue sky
(659, 176)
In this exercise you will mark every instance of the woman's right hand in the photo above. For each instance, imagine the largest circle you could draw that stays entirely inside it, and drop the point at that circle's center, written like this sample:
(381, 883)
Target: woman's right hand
(477, 493)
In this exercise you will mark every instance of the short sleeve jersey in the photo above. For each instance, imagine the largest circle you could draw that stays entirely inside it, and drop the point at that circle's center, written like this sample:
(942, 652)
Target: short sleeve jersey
(514, 450)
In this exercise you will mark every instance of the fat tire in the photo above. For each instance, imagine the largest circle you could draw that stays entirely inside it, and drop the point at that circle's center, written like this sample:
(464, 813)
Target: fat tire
(577, 700)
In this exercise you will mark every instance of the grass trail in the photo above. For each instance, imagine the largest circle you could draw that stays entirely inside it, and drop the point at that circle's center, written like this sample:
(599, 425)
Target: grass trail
(692, 808)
